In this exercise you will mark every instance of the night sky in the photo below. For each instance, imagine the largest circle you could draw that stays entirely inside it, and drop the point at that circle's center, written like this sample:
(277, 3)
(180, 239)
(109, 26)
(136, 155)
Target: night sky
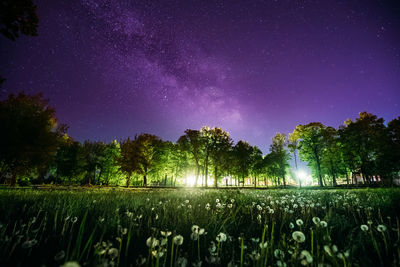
(116, 68)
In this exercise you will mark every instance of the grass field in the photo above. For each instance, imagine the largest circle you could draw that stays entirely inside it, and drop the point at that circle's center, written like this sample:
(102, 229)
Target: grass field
(189, 227)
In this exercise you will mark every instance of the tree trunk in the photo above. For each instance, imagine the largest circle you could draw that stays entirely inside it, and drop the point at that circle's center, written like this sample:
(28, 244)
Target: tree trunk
(101, 172)
(128, 180)
(165, 180)
(215, 176)
(206, 174)
(89, 177)
(144, 180)
(197, 175)
(13, 181)
(255, 181)
(319, 171)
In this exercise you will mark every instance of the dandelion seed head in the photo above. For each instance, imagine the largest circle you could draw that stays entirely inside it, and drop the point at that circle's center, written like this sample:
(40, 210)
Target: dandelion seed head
(152, 242)
(381, 228)
(324, 224)
(178, 240)
(113, 253)
(306, 258)
(298, 236)
(316, 220)
(221, 237)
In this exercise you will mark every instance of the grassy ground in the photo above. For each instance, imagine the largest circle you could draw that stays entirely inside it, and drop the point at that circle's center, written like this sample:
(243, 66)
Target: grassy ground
(159, 227)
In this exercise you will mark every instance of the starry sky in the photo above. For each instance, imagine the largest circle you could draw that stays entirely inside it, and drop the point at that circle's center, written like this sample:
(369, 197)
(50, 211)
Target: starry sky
(116, 68)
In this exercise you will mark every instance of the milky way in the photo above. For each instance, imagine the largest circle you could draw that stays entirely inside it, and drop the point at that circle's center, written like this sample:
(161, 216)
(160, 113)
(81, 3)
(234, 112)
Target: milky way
(116, 68)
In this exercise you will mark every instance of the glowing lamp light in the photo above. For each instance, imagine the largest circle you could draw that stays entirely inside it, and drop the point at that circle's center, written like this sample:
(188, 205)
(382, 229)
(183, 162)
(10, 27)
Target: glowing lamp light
(302, 175)
(190, 180)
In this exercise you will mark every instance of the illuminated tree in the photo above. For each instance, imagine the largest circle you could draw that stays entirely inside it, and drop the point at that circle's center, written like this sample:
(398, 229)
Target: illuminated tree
(280, 155)
(218, 145)
(127, 159)
(332, 158)
(292, 146)
(311, 145)
(257, 164)
(179, 161)
(68, 161)
(193, 142)
(108, 164)
(271, 168)
(147, 148)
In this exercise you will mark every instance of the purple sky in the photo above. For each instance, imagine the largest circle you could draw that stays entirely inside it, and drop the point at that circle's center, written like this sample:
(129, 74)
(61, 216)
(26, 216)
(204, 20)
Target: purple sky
(254, 68)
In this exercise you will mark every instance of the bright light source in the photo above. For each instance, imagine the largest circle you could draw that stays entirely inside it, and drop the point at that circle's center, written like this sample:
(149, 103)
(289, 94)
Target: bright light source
(302, 175)
(190, 180)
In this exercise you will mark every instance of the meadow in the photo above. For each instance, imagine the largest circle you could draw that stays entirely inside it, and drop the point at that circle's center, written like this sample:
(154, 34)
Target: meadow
(200, 227)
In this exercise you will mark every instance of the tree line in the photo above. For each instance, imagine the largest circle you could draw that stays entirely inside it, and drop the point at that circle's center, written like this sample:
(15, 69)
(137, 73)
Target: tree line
(35, 149)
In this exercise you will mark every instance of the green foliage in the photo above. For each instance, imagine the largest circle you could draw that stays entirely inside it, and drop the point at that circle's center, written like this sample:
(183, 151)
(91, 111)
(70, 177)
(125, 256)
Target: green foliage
(311, 145)
(242, 154)
(218, 145)
(362, 141)
(29, 135)
(279, 155)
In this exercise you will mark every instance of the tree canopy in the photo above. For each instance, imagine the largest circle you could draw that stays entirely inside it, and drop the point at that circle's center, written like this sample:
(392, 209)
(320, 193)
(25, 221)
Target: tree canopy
(36, 148)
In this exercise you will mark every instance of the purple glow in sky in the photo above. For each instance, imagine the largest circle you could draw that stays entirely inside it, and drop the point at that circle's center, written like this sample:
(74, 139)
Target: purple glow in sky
(116, 68)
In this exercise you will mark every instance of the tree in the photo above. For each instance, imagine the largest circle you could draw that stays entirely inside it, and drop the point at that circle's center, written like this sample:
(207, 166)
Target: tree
(271, 167)
(108, 163)
(280, 155)
(391, 153)
(29, 135)
(257, 163)
(192, 142)
(218, 143)
(68, 160)
(311, 145)
(242, 153)
(292, 144)
(362, 141)
(93, 154)
(127, 159)
(178, 161)
(18, 16)
(332, 159)
(147, 147)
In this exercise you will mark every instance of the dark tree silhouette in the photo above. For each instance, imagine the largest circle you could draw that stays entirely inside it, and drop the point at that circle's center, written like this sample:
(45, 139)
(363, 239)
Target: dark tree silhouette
(29, 135)
(18, 17)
